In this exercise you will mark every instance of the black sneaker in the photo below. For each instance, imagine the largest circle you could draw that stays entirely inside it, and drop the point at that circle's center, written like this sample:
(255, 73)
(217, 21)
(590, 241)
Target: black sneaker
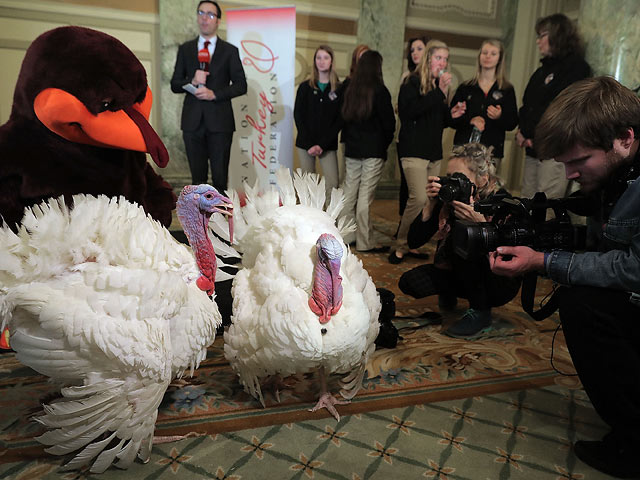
(617, 461)
(472, 323)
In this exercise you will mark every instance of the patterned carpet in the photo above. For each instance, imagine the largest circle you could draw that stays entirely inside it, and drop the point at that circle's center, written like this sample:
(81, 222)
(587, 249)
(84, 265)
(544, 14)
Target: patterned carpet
(433, 407)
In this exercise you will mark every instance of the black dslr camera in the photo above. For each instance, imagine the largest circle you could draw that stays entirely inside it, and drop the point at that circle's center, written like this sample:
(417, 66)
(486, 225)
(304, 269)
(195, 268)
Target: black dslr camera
(456, 187)
(521, 221)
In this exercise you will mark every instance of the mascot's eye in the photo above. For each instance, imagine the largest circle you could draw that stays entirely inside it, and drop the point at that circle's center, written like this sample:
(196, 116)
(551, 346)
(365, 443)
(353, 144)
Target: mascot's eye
(104, 106)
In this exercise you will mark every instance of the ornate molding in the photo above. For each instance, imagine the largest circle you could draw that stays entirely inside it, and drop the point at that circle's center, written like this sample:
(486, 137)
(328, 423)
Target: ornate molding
(487, 9)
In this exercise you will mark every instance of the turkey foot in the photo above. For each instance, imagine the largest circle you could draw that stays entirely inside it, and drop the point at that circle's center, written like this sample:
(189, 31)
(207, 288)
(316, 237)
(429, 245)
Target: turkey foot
(276, 384)
(328, 401)
(181, 382)
(160, 439)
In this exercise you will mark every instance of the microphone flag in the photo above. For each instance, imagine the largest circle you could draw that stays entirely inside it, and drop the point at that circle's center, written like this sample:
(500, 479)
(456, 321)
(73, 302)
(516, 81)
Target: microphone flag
(204, 58)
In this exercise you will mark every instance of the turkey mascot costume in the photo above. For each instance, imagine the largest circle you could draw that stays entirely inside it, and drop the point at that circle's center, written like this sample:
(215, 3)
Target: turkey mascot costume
(79, 124)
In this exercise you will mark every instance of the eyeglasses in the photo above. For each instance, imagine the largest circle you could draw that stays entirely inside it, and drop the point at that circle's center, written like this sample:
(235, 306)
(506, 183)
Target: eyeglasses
(541, 35)
(211, 15)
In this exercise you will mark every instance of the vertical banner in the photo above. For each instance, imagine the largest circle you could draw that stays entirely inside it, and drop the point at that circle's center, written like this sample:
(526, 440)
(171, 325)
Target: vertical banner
(266, 38)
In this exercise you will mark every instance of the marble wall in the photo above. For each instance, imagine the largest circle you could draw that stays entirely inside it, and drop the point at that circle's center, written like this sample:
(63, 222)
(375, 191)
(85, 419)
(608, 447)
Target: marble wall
(610, 29)
(153, 29)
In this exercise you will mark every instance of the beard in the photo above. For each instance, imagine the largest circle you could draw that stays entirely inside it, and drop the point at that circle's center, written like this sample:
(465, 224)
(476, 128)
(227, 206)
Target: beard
(598, 180)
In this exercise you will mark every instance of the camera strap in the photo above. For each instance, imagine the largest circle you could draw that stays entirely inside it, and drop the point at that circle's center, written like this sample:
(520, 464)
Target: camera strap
(527, 297)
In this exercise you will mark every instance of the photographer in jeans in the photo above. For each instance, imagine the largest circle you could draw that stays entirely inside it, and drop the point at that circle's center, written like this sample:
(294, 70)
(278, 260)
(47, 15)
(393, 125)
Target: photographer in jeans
(592, 128)
(450, 276)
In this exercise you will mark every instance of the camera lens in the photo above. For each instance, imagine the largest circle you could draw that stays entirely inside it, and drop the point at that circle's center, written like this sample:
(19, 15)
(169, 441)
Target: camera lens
(448, 193)
(472, 239)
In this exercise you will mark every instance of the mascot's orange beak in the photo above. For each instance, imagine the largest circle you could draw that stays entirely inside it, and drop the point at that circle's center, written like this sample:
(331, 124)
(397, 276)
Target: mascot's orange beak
(127, 129)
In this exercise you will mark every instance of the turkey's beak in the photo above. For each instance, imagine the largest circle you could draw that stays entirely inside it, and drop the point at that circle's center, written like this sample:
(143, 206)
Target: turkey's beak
(128, 129)
(226, 208)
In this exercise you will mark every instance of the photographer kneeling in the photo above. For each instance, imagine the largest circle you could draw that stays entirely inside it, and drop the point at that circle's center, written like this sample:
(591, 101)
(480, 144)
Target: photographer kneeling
(592, 128)
(450, 276)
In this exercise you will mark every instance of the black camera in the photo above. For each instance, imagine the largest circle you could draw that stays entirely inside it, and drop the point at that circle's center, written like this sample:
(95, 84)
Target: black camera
(521, 221)
(456, 187)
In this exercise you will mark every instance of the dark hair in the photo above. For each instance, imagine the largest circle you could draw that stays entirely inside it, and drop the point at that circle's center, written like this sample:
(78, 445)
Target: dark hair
(591, 113)
(412, 66)
(358, 98)
(215, 4)
(564, 38)
(355, 56)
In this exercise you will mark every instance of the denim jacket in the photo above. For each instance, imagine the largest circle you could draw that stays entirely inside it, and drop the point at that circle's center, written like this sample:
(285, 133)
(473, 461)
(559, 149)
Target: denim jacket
(617, 265)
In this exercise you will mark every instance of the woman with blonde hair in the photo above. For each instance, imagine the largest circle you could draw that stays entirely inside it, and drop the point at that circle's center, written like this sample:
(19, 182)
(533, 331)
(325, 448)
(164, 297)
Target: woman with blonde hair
(490, 100)
(415, 50)
(317, 116)
(424, 112)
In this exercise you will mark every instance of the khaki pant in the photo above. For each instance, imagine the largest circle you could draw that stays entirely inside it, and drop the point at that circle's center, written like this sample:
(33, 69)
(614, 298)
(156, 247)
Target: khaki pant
(329, 163)
(416, 171)
(546, 176)
(361, 179)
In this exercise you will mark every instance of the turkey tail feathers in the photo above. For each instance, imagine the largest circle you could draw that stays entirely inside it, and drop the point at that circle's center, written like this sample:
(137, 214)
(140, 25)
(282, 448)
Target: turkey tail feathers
(94, 417)
(285, 184)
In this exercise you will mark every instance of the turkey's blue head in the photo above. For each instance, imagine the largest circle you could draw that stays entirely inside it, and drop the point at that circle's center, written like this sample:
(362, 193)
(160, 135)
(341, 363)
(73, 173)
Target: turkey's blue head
(326, 292)
(195, 206)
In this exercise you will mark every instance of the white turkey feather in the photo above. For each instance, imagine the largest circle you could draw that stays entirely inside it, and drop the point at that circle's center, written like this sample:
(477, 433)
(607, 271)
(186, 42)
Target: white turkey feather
(273, 329)
(285, 185)
(100, 297)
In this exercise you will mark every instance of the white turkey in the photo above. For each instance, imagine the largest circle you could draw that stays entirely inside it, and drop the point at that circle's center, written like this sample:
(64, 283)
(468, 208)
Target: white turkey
(103, 300)
(301, 301)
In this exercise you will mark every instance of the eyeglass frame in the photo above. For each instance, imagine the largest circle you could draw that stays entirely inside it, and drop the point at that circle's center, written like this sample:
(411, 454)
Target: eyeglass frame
(211, 15)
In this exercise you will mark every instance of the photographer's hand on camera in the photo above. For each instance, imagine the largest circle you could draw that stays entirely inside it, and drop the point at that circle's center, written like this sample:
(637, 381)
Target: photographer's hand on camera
(464, 211)
(516, 261)
(433, 187)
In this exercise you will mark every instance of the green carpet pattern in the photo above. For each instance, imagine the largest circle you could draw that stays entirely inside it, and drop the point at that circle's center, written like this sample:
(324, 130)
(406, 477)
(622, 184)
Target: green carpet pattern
(434, 407)
(516, 435)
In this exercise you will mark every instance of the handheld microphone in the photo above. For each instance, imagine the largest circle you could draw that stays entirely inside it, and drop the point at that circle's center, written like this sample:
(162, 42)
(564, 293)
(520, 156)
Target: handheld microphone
(203, 58)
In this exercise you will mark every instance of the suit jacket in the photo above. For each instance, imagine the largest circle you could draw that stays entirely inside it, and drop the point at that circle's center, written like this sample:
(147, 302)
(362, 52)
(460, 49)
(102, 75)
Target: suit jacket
(226, 79)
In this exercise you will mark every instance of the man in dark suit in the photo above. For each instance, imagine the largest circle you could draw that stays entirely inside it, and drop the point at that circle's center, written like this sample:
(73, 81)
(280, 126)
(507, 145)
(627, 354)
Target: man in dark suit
(207, 117)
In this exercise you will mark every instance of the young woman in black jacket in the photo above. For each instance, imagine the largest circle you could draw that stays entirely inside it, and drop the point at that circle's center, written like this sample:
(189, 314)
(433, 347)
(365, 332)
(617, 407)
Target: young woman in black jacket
(562, 64)
(490, 101)
(424, 112)
(317, 116)
(369, 125)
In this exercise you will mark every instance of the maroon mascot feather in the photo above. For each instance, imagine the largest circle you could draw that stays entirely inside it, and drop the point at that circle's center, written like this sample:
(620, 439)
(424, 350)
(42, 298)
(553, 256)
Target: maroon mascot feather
(79, 125)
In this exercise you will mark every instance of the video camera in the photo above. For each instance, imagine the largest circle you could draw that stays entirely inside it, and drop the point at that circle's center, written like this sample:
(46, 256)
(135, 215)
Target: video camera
(521, 221)
(456, 187)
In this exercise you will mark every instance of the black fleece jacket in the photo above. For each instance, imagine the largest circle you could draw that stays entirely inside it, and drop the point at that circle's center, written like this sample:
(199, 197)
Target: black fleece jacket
(545, 84)
(317, 116)
(422, 120)
(370, 138)
(477, 103)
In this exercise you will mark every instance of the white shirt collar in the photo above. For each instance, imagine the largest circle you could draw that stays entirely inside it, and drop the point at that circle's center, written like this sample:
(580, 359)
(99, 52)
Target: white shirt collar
(212, 45)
